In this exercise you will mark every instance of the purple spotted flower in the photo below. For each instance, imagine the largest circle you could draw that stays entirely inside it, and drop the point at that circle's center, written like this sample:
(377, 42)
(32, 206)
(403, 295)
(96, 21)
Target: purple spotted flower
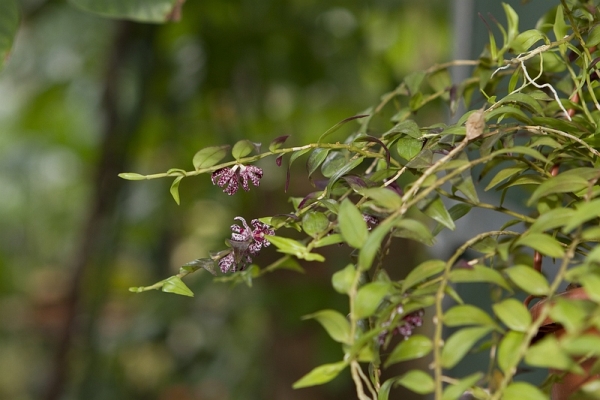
(245, 243)
(250, 173)
(371, 221)
(407, 325)
(229, 178)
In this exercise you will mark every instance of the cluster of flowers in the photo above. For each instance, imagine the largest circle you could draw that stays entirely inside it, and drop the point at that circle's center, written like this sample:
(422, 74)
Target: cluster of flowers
(229, 178)
(245, 243)
(408, 324)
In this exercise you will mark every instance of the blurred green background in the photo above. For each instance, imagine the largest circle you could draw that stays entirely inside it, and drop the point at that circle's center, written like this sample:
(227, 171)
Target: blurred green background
(83, 98)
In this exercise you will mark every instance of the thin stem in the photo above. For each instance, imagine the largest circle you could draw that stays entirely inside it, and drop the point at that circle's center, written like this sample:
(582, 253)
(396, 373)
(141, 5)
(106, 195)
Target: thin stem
(439, 310)
(251, 159)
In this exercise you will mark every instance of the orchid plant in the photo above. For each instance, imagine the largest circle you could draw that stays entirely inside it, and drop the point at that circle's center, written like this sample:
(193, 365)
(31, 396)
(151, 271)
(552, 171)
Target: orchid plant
(531, 129)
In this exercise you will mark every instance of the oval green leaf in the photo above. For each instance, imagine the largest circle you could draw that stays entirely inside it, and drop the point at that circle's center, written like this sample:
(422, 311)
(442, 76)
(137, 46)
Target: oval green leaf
(209, 156)
(478, 273)
(175, 285)
(352, 225)
(528, 280)
(523, 391)
(369, 297)
(320, 375)
(436, 210)
(343, 279)
(513, 314)
(314, 223)
(175, 189)
(508, 351)
(423, 271)
(418, 381)
(459, 344)
(467, 314)
(543, 243)
(547, 353)
(336, 325)
(132, 176)
(242, 149)
(416, 346)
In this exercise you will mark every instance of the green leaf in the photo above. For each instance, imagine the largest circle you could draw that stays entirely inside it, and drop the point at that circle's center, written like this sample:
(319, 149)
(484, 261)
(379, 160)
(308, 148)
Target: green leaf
(415, 230)
(478, 273)
(543, 243)
(593, 38)
(9, 24)
(328, 240)
(369, 297)
(372, 244)
(417, 381)
(384, 390)
(287, 245)
(554, 218)
(457, 345)
(547, 353)
(571, 314)
(456, 390)
(175, 189)
(413, 81)
(436, 210)
(342, 280)
(523, 391)
(343, 171)
(333, 162)
(559, 27)
(513, 314)
(352, 225)
(175, 285)
(423, 271)
(277, 142)
(314, 223)
(464, 183)
(508, 351)
(416, 346)
(582, 345)
(132, 176)
(522, 150)
(209, 156)
(526, 39)
(512, 19)
(486, 246)
(135, 10)
(591, 284)
(525, 100)
(508, 111)
(467, 314)
(205, 263)
(320, 375)
(408, 147)
(315, 159)
(586, 211)
(440, 80)
(383, 197)
(408, 127)
(242, 149)
(563, 183)
(336, 325)
(528, 280)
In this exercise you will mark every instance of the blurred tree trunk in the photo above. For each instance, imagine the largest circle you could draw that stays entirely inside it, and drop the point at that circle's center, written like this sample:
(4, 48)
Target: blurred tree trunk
(128, 66)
